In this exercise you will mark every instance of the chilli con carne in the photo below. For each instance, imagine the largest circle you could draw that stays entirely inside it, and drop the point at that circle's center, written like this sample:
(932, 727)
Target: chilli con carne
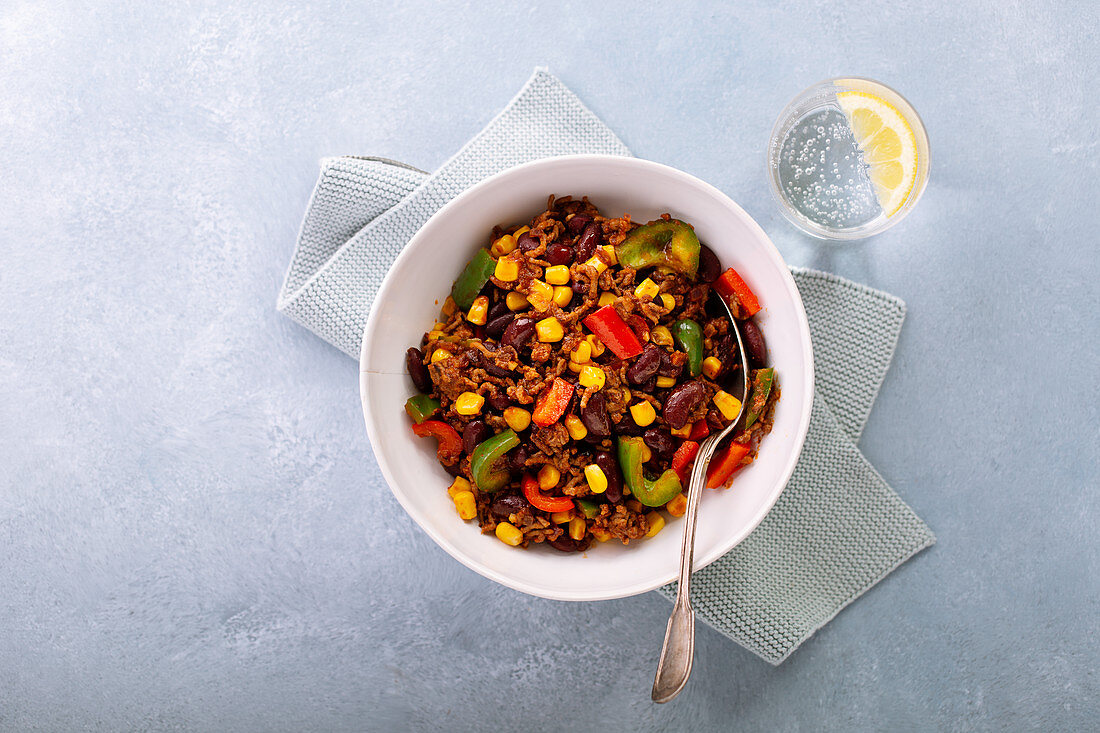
(573, 371)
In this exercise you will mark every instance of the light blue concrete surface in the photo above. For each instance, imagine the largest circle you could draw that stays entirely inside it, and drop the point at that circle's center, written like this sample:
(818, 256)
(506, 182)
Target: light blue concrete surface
(194, 533)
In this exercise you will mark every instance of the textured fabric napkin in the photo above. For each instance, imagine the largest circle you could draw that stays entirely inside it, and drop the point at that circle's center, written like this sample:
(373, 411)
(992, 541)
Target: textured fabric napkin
(836, 530)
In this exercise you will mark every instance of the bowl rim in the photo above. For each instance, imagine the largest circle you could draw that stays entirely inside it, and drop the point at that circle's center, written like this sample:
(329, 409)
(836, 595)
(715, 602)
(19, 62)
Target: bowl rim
(700, 561)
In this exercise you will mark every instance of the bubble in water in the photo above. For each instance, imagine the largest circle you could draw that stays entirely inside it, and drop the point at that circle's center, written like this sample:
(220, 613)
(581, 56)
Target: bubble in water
(823, 175)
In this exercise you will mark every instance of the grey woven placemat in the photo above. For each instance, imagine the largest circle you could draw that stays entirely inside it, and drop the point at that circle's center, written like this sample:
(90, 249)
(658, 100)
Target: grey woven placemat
(837, 529)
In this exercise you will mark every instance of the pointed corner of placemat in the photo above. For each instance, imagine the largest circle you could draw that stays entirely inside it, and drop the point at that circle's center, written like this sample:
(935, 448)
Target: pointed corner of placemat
(925, 539)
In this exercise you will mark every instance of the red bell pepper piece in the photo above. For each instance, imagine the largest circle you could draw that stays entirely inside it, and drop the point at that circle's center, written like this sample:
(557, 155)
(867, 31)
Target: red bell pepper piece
(725, 463)
(552, 402)
(450, 442)
(610, 328)
(682, 459)
(545, 503)
(730, 283)
(699, 430)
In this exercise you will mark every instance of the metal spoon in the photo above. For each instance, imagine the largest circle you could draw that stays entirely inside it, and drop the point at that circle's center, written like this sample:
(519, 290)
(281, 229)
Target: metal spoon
(678, 650)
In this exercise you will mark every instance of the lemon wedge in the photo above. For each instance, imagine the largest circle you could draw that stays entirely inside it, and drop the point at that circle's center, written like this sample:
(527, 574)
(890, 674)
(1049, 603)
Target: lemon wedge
(887, 143)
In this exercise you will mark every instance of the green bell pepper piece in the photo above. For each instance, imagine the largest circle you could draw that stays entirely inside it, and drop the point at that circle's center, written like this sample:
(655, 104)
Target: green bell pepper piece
(590, 508)
(762, 380)
(420, 407)
(487, 475)
(473, 279)
(648, 491)
(689, 337)
(666, 243)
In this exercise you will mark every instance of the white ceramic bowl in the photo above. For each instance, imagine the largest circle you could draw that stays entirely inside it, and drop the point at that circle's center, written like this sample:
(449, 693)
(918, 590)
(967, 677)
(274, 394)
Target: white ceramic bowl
(421, 277)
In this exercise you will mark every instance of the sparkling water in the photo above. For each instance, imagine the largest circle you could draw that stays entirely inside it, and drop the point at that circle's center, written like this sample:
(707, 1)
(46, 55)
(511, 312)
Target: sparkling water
(822, 172)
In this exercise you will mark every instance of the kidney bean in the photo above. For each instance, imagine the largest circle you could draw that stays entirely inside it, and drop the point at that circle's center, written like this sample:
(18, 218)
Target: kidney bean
(518, 333)
(492, 367)
(755, 346)
(627, 426)
(659, 441)
(526, 242)
(579, 285)
(500, 402)
(414, 362)
(475, 432)
(610, 468)
(497, 310)
(588, 241)
(682, 401)
(559, 253)
(594, 416)
(565, 543)
(645, 366)
(577, 224)
(651, 385)
(709, 267)
(507, 504)
(519, 457)
(496, 327)
(667, 368)
(455, 469)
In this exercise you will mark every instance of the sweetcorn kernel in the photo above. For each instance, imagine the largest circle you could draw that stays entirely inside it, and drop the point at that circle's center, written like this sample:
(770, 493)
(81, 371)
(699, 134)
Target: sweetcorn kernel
(582, 354)
(560, 517)
(516, 301)
(601, 534)
(577, 528)
(520, 232)
(449, 307)
(596, 478)
(727, 404)
(666, 382)
(459, 484)
(595, 343)
(548, 477)
(668, 301)
(469, 403)
(549, 330)
(479, 311)
(592, 377)
(556, 275)
(596, 264)
(518, 419)
(643, 413)
(503, 246)
(465, 504)
(647, 289)
(440, 355)
(711, 366)
(610, 253)
(507, 270)
(509, 534)
(562, 295)
(677, 505)
(541, 295)
(606, 298)
(576, 428)
(656, 523)
(682, 432)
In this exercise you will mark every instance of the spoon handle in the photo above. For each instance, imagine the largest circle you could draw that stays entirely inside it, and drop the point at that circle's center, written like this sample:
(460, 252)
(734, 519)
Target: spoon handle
(678, 649)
